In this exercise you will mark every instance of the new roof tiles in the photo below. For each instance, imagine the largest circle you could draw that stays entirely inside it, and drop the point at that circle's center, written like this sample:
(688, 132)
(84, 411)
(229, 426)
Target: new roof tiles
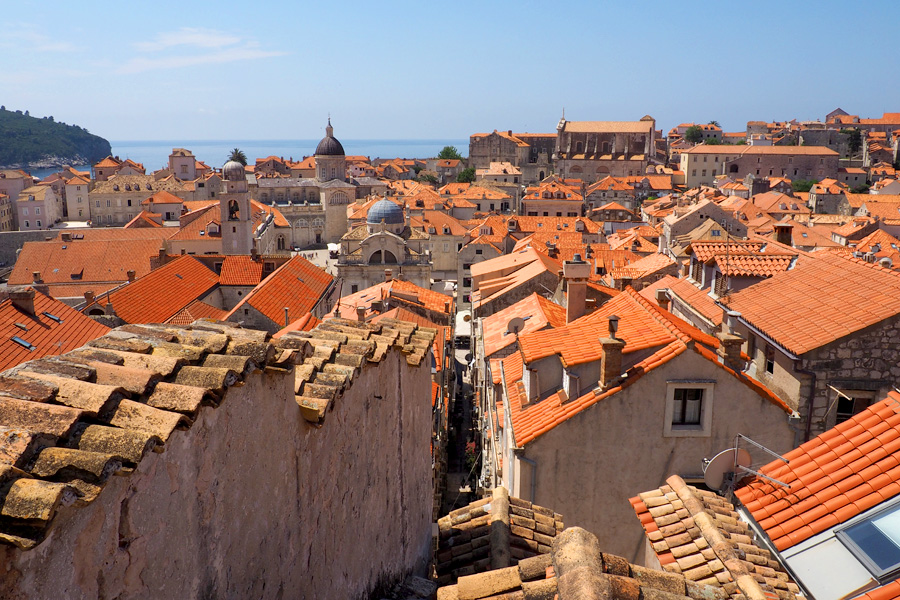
(537, 312)
(843, 293)
(159, 295)
(51, 328)
(832, 478)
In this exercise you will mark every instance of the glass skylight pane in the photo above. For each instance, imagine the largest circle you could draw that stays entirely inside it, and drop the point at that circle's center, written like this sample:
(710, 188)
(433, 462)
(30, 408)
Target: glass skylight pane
(889, 525)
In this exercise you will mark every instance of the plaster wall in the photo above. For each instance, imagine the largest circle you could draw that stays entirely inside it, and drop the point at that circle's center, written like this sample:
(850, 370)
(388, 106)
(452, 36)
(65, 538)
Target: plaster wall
(254, 502)
(589, 465)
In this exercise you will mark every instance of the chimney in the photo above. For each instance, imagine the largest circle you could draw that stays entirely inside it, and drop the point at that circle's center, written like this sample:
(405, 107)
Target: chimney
(254, 254)
(552, 252)
(36, 277)
(108, 310)
(388, 275)
(130, 274)
(89, 298)
(23, 299)
(162, 256)
(730, 344)
(447, 306)
(783, 233)
(287, 320)
(611, 355)
(183, 251)
(662, 298)
(576, 273)
(361, 314)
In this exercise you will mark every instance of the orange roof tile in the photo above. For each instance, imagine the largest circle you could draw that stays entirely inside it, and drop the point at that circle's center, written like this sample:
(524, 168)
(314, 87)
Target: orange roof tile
(845, 294)
(196, 310)
(47, 336)
(657, 334)
(538, 313)
(159, 295)
(832, 478)
(296, 285)
(305, 323)
(689, 294)
(241, 270)
(403, 291)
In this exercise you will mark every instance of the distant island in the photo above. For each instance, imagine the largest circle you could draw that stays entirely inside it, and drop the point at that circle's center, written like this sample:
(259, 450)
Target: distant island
(31, 142)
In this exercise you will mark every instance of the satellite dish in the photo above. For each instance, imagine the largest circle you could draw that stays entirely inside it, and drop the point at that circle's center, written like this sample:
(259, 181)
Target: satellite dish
(724, 464)
(515, 325)
(468, 357)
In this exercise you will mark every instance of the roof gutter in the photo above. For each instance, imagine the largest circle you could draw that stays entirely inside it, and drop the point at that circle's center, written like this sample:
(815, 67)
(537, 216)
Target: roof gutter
(758, 332)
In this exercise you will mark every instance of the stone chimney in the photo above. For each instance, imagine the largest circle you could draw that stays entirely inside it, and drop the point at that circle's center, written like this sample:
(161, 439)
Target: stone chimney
(89, 298)
(131, 276)
(361, 314)
(611, 356)
(730, 343)
(254, 254)
(23, 299)
(447, 306)
(576, 273)
(36, 277)
(783, 233)
(552, 251)
(162, 256)
(388, 275)
(662, 298)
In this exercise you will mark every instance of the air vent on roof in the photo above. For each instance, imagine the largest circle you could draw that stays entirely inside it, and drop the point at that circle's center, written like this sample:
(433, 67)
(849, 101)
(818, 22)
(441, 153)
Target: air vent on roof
(178, 275)
(52, 317)
(24, 344)
(22, 326)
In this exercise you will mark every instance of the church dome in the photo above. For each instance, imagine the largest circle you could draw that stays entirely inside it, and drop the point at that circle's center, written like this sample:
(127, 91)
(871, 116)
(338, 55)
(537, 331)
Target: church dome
(329, 146)
(387, 211)
(233, 171)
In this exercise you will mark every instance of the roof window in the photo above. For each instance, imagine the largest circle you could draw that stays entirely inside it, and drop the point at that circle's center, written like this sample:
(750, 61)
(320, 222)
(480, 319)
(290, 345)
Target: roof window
(875, 542)
(24, 344)
(52, 317)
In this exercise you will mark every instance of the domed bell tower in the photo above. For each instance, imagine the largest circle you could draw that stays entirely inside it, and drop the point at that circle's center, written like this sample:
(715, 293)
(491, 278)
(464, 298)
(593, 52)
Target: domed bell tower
(331, 162)
(234, 206)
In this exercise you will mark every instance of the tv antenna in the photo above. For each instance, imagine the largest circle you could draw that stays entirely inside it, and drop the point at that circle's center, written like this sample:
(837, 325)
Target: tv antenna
(729, 467)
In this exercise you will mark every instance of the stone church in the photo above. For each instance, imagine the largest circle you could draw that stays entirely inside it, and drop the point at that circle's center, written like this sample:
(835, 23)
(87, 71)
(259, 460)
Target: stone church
(316, 207)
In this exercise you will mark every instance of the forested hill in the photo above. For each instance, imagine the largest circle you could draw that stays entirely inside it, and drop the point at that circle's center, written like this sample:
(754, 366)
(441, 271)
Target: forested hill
(27, 141)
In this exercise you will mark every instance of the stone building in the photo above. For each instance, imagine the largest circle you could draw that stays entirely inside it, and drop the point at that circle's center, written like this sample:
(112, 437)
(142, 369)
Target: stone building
(702, 163)
(38, 207)
(592, 150)
(245, 467)
(628, 380)
(529, 152)
(824, 335)
(385, 242)
(117, 200)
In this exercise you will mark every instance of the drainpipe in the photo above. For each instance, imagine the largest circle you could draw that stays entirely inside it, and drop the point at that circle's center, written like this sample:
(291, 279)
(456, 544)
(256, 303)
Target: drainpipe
(533, 463)
(812, 396)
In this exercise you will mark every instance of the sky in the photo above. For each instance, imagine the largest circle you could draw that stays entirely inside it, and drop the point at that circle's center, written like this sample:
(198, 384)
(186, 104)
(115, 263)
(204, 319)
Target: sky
(197, 70)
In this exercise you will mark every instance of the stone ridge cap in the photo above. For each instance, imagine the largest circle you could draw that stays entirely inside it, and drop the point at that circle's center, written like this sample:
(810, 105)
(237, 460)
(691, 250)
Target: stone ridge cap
(722, 547)
(69, 422)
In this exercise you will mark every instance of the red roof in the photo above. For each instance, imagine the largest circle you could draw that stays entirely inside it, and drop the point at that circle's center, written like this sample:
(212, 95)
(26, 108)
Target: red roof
(305, 323)
(655, 335)
(833, 477)
(843, 293)
(408, 292)
(538, 313)
(297, 285)
(48, 336)
(159, 295)
(196, 310)
(241, 270)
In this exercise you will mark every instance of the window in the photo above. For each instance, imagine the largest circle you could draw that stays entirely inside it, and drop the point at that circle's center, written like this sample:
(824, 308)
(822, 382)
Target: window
(129, 202)
(479, 251)
(37, 210)
(689, 408)
(354, 288)
(875, 542)
(852, 402)
(108, 203)
(770, 359)
(27, 224)
(98, 204)
(25, 212)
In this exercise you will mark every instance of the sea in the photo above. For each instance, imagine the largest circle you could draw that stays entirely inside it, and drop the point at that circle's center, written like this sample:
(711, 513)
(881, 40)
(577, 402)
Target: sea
(154, 154)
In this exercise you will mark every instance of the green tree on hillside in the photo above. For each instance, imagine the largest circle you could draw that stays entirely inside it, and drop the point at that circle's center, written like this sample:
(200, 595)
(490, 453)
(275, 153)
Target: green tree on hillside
(449, 152)
(237, 155)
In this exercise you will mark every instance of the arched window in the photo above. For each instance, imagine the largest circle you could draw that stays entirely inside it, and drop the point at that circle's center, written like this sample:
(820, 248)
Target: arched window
(280, 242)
(340, 198)
(388, 258)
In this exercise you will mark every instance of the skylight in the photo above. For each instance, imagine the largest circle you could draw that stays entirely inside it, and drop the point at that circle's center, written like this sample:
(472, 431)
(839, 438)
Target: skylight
(52, 317)
(875, 541)
(24, 344)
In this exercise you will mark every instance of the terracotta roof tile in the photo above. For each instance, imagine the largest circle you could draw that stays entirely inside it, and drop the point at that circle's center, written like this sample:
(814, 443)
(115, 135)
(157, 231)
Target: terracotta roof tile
(709, 534)
(47, 336)
(845, 294)
(241, 270)
(296, 285)
(164, 292)
(538, 313)
(834, 477)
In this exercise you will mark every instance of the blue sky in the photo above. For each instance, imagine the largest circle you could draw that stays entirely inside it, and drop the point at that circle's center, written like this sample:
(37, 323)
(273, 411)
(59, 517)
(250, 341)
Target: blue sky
(242, 70)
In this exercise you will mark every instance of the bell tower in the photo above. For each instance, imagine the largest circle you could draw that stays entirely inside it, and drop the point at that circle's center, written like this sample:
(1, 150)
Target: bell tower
(234, 209)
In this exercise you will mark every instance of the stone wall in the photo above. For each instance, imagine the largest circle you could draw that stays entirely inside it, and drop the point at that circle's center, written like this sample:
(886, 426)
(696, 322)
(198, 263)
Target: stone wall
(255, 501)
(12, 241)
(868, 361)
